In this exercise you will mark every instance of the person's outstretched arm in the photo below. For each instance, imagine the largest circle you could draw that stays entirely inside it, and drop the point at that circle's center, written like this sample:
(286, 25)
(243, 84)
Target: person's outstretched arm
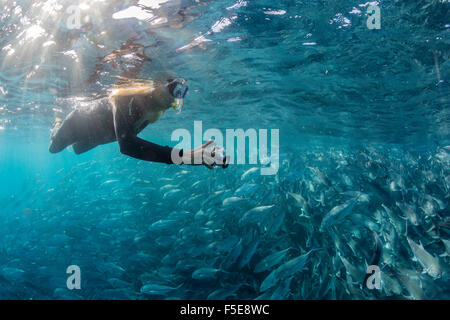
(141, 149)
(136, 147)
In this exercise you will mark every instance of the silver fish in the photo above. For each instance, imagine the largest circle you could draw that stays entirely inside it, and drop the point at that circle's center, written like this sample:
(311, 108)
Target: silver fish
(205, 274)
(157, 289)
(271, 261)
(286, 270)
(429, 263)
(338, 213)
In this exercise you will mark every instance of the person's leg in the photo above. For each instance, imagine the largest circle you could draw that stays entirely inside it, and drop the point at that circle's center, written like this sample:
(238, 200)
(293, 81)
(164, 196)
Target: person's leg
(66, 133)
(83, 146)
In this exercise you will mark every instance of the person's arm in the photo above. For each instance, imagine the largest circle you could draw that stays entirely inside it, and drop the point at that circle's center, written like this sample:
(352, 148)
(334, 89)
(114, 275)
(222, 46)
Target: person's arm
(207, 154)
(136, 147)
(141, 149)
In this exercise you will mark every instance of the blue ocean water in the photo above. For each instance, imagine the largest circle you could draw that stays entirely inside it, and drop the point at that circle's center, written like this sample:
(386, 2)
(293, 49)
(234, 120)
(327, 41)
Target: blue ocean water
(364, 152)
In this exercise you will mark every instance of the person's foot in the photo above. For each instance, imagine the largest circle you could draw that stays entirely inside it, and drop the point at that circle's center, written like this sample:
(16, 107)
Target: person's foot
(55, 127)
(54, 145)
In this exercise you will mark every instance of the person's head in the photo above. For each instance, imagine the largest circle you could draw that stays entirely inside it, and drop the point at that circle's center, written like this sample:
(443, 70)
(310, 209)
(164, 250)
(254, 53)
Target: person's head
(158, 93)
(178, 89)
(137, 91)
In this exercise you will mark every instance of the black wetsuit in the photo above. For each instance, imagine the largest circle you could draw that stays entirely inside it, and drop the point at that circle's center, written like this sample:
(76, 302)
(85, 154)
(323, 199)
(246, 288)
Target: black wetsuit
(97, 123)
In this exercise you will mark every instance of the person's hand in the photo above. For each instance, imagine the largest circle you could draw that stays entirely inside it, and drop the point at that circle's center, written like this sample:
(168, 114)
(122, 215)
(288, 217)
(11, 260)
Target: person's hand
(208, 155)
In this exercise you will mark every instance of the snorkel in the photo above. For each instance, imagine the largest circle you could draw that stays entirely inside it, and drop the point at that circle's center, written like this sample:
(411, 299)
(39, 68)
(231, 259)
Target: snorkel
(178, 89)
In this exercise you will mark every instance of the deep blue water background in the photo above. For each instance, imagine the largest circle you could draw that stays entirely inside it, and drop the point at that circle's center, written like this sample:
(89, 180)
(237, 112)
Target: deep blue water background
(357, 109)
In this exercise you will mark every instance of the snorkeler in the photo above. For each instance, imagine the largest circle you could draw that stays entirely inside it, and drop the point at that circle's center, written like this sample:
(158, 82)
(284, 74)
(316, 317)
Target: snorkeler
(125, 113)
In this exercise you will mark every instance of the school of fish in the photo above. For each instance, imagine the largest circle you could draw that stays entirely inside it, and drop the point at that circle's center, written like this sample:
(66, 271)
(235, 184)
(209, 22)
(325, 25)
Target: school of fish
(151, 231)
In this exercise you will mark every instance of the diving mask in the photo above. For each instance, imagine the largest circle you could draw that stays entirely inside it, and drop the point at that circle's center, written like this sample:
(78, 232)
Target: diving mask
(178, 89)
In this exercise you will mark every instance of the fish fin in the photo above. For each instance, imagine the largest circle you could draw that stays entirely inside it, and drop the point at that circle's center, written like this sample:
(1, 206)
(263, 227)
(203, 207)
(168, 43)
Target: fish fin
(302, 251)
(420, 244)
